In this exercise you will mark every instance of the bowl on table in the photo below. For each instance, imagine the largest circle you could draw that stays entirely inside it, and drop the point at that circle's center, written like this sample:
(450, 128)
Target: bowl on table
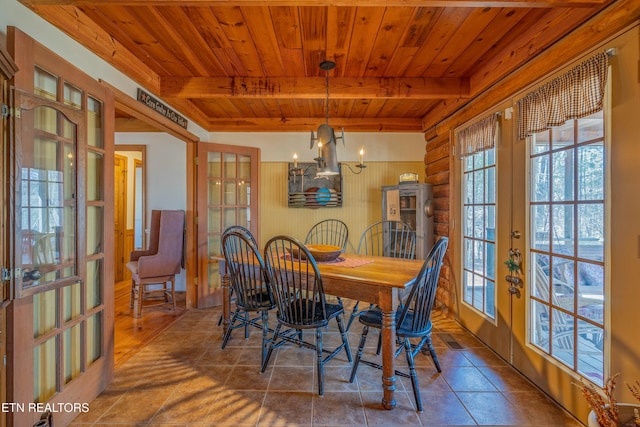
(321, 253)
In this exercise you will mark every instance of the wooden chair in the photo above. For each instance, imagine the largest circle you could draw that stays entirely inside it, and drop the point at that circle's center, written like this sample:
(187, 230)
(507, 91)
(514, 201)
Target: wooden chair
(328, 232)
(413, 319)
(159, 264)
(385, 238)
(248, 278)
(297, 286)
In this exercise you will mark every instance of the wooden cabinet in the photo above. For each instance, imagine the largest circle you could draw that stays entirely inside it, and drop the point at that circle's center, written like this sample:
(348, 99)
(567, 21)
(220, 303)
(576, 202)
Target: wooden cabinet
(411, 203)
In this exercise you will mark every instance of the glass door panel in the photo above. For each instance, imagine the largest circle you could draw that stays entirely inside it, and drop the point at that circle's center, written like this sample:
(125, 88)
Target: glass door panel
(225, 198)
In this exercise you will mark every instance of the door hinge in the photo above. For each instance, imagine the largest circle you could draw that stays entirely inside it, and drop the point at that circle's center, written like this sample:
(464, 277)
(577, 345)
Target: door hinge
(195, 160)
(195, 220)
(195, 281)
(7, 111)
(8, 274)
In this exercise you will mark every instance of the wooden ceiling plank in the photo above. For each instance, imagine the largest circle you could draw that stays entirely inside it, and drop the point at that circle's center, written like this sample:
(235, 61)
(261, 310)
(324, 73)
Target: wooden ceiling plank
(365, 29)
(119, 24)
(232, 23)
(538, 37)
(160, 44)
(416, 32)
(193, 42)
(313, 87)
(446, 25)
(260, 25)
(380, 3)
(299, 124)
(461, 40)
(313, 25)
(286, 25)
(392, 28)
(172, 27)
(339, 30)
(484, 45)
(79, 27)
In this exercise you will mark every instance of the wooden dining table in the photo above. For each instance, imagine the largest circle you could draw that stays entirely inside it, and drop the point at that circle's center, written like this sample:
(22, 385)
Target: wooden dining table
(372, 279)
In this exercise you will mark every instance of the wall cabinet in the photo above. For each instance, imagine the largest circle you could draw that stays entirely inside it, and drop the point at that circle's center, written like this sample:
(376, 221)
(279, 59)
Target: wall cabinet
(411, 203)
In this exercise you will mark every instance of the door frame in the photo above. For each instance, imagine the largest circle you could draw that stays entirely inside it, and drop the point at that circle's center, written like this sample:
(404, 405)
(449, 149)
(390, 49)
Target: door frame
(140, 111)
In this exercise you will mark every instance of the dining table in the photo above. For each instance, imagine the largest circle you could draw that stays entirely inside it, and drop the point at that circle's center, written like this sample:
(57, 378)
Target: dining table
(373, 279)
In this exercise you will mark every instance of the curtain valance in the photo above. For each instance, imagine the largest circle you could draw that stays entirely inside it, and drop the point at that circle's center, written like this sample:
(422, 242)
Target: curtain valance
(479, 136)
(577, 93)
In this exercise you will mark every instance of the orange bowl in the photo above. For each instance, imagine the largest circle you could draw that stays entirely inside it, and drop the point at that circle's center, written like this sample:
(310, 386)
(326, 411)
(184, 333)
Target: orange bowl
(324, 253)
(321, 253)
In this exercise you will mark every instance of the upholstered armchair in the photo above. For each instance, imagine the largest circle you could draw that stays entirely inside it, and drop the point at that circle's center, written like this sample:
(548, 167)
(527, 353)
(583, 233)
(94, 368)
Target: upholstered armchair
(159, 264)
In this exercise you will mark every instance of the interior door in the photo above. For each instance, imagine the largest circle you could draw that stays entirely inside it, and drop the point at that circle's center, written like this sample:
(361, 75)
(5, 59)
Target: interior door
(58, 314)
(228, 194)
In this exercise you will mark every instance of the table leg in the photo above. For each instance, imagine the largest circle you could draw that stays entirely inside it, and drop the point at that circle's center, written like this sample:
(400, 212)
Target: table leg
(388, 352)
(226, 302)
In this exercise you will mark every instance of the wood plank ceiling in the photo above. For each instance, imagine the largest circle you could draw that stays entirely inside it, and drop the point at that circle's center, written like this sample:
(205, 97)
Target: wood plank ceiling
(254, 65)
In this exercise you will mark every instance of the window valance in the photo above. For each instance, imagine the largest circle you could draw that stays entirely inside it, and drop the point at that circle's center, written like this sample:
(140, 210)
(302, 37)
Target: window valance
(479, 136)
(577, 93)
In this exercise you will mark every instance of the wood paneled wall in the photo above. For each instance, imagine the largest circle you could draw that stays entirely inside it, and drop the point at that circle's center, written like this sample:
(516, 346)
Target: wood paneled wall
(362, 200)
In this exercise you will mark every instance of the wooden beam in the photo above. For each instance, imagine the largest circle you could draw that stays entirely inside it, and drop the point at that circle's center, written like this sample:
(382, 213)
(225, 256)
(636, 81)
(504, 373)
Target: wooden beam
(314, 87)
(312, 123)
(596, 30)
(358, 3)
(79, 27)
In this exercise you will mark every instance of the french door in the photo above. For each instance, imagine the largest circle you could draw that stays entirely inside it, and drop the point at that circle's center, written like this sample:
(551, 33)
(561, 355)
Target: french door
(228, 194)
(58, 315)
(538, 203)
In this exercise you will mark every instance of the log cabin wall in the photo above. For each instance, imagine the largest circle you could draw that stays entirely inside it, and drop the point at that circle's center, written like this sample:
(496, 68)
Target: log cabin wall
(437, 167)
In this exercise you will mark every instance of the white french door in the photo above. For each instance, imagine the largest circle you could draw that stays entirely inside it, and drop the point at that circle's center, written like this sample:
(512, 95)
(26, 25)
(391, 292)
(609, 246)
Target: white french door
(539, 202)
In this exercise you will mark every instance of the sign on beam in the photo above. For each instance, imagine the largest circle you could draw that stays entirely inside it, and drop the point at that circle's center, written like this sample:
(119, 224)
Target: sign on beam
(160, 108)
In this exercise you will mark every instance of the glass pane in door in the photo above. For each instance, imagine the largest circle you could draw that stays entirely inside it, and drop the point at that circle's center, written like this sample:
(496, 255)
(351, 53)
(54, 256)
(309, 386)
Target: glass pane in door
(48, 187)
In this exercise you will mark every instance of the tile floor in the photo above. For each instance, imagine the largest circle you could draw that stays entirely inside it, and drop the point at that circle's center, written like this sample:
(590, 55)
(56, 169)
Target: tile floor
(183, 378)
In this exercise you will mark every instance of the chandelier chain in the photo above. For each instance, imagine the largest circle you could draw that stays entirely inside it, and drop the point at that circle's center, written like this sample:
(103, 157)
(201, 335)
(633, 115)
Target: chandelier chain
(326, 76)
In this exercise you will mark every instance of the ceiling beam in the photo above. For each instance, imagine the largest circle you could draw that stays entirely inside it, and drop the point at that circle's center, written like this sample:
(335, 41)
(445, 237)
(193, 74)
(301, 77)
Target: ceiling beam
(314, 87)
(312, 123)
(359, 3)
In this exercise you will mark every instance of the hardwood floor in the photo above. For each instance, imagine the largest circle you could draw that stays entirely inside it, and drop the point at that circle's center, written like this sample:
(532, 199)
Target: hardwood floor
(133, 334)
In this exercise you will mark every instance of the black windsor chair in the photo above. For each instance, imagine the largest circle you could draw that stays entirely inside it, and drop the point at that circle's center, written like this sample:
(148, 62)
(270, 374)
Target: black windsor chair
(328, 232)
(394, 239)
(247, 274)
(413, 319)
(297, 286)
